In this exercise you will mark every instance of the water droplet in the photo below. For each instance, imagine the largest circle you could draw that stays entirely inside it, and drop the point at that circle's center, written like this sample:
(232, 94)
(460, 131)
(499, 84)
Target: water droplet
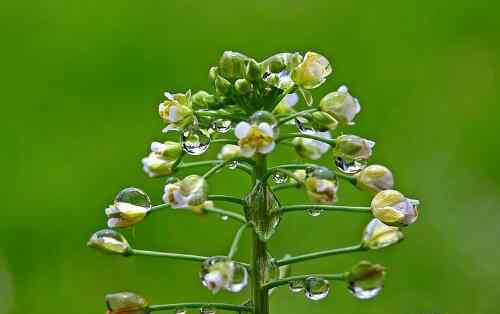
(316, 288)
(224, 217)
(240, 279)
(263, 116)
(133, 196)
(207, 310)
(350, 166)
(314, 212)
(265, 221)
(303, 125)
(296, 286)
(221, 125)
(180, 311)
(209, 265)
(363, 293)
(232, 165)
(279, 177)
(195, 141)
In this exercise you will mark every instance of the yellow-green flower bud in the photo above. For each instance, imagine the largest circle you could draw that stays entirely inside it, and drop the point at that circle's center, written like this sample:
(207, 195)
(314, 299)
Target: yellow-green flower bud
(312, 71)
(202, 100)
(366, 280)
(378, 235)
(126, 303)
(232, 65)
(323, 121)
(124, 214)
(168, 149)
(109, 241)
(252, 71)
(392, 208)
(375, 178)
(353, 147)
(321, 186)
(190, 192)
(155, 165)
(176, 111)
(341, 105)
(222, 86)
(243, 86)
(229, 151)
(309, 148)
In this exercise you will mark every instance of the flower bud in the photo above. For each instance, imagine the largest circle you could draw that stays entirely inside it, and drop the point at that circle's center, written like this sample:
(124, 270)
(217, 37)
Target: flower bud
(243, 86)
(229, 151)
(222, 86)
(190, 192)
(374, 178)
(353, 147)
(309, 148)
(392, 208)
(203, 100)
(168, 149)
(378, 235)
(109, 241)
(212, 74)
(124, 214)
(232, 65)
(252, 71)
(323, 121)
(155, 165)
(321, 185)
(312, 71)
(341, 105)
(126, 303)
(366, 279)
(176, 111)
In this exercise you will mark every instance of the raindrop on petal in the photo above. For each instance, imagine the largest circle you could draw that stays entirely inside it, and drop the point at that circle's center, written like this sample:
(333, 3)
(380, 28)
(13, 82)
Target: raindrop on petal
(316, 288)
(195, 141)
(350, 166)
(132, 196)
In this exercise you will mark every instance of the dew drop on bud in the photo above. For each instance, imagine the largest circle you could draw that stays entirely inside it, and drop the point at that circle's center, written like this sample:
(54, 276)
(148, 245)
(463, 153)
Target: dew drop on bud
(314, 212)
(363, 293)
(195, 141)
(180, 311)
(240, 278)
(232, 165)
(303, 126)
(207, 310)
(279, 178)
(350, 166)
(221, 125)
(296, 286)
(133, 196)
(316, 288)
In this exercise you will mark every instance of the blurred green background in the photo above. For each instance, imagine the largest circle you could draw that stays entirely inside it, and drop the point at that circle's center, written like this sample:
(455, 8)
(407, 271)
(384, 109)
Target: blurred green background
(80, 87)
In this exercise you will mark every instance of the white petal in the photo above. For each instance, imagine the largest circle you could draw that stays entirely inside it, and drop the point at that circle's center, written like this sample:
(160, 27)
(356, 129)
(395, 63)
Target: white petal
(343, 89)
(173, 114)
(247, 151)
(266, 128)
(291, 99)
(157, 147)
(242, 129)
(267, 149)
(113, 222)
(168, 96)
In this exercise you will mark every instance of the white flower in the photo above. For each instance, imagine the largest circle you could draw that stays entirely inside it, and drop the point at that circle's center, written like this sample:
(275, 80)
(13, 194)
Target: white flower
(191, 192)
(217, 273)
(162, 158)
(254, 138)
(286, 105)
(310, 148)
(341, 105)
(122, 214)
(392, 208)
(176, 111)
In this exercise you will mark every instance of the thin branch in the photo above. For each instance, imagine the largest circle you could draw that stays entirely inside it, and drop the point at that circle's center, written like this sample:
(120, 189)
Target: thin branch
(285, 186)
(237, 237)
(186, 257)
(290, 174)
(311, 136)
(285, 281)
(340, 208)
(295, 115)
(198, 305)
(224, 141)
(351, 179)
(227, 198)
(306, 257)
(214, 210)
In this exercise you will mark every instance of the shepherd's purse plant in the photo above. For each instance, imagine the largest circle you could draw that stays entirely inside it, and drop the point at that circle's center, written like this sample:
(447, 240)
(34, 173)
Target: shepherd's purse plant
(256, 107)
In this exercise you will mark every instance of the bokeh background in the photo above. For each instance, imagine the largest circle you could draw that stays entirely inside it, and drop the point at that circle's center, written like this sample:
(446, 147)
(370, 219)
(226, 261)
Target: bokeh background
(80, 84)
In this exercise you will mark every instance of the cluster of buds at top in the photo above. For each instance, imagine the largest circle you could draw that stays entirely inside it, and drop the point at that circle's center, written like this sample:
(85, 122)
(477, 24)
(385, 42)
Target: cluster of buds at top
(254, 108)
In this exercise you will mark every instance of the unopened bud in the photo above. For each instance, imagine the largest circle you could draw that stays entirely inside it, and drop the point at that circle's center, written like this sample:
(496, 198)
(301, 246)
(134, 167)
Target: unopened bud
(109, 241)
(324, 121)
(126, 302)
(392, 208)
(222, 86)
(375, 178)
(202, 100)
(232, 65)
(252, 71)
(243, 86)
(378, 235)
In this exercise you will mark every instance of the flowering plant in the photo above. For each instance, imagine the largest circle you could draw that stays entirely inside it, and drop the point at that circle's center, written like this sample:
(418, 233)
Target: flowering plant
(253, 104)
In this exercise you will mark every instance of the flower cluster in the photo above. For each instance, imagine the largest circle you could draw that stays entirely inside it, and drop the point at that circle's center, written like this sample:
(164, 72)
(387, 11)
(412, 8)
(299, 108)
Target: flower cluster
(256, 108)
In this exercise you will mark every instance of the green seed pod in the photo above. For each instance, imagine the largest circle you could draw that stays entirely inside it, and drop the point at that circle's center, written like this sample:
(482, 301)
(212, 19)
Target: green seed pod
(243, 86)
(252, 71)
(232, 65)
(222, 86)
(323, 121)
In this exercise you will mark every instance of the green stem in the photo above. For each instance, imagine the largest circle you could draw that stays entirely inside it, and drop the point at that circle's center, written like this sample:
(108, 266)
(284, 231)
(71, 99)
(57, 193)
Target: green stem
(351, 179)
(285, 281)
(290, 174)
(285, 186)
(340, 208)
(186, 257)
(315, 255)
(227, 198)
(236, 241)
(314, 137)
(213, 210)
(198, 305)
(295, 115)
(224, 140)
